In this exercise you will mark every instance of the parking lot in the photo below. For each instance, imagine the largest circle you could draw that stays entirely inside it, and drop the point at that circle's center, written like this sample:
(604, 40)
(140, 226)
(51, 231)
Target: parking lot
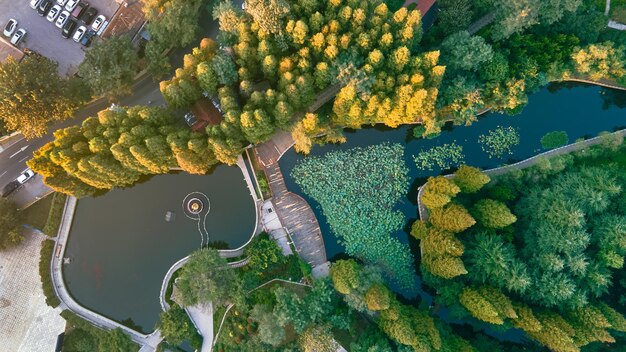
(44, 37)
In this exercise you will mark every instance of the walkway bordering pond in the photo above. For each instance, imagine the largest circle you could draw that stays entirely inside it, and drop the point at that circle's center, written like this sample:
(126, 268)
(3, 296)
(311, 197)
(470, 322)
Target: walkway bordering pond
(526, 163)
(294, 212)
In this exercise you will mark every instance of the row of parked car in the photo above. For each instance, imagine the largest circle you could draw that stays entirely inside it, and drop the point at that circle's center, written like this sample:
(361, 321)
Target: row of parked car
(11, 31)
(66, 15)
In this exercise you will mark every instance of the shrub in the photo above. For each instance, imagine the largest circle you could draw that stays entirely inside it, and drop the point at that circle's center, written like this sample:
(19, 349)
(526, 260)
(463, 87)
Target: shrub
(54, 216)
(554, 139)
(45, 255)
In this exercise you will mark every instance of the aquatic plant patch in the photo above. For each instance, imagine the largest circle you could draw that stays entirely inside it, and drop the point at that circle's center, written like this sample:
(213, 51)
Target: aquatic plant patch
(499, 141)
(554, 139)
(357, 190)
(442, 156)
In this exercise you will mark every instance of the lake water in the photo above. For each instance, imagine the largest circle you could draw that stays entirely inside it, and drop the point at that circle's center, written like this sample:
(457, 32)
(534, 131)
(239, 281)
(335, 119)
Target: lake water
(121, 246)
(579, 109)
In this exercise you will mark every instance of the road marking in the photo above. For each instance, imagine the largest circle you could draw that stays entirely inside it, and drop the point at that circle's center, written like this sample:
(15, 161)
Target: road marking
(2, 174)
(19, 151)
(25, 158)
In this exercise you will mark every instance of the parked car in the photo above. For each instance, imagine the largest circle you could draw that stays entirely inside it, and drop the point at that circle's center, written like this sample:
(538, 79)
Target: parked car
(71, 4)
(79, 10)
(80, 32)
(44, 7)
(25, 176)
(54, 12)
(68, 28)
(89, 15)
(10, 188)
(190, 119)
(98, 23)
(87, 38)
(62, 2)
(18, 36)
(34, 4)
(63, 17)
(10, 27)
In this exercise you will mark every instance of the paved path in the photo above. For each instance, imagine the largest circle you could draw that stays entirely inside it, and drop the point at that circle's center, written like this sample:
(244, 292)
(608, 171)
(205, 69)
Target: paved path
(148, 342)
(27, 323)
(481, 22)
(202, 318)
(423, 212)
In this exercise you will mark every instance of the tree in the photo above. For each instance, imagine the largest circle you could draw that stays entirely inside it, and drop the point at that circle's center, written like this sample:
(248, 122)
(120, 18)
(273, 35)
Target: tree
(554, 139)
(176, 327)
(345, 275)
(452, 217)
(454, 15)
(228, 15)
(438, 191)
(110, 66)
(493, 214)
(479, 307)
(269, 330)
(600, 61)
(377, 297)
(225, 69)
(317, 339)
(263, 253)
(461, 51)
(10, 224)
(172, 23)
(32, 95)
(268, 14)
(115, 341)
(470, 179)
(206, 278)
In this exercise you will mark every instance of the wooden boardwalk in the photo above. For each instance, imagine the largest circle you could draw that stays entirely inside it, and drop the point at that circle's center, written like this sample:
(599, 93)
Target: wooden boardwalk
(293, 211)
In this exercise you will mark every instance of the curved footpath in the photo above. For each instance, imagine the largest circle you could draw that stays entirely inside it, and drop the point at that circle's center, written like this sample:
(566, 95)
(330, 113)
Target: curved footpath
(423, 212)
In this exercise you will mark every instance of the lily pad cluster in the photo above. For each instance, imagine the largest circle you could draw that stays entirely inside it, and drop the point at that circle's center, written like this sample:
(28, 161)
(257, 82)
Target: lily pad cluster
(357, 190)
(442, 156)
(499, 141)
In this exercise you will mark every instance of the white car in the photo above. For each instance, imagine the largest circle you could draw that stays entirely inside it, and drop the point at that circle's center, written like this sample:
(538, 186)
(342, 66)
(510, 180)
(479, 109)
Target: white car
(62, 2)
(25, 176)
(18, 36)
(80, 32)
(97, 23)
(10, 27)
(34, 4)
(63, 17)
(71, 5)
(54, 12)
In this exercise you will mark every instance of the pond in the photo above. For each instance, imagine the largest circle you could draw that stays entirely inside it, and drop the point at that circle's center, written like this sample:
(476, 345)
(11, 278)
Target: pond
(121, 245)
(579, 109)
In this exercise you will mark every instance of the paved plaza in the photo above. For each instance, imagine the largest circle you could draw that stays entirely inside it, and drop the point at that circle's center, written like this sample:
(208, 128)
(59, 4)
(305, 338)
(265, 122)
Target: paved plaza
(27, 324)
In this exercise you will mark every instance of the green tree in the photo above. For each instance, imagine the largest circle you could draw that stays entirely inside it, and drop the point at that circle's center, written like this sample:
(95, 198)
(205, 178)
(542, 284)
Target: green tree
(32, 95)
(317, 339)
(270, 332)
(263, 254)
(470, 179)
(10, 224)
(461, 51)
(206, 278)
(172, 23)
(228, 15)
(176, 327)
(110, 66)
(345, 275)
(225, 69)
(377, 297)
(454, 15)
(493, 214)
(116, 341)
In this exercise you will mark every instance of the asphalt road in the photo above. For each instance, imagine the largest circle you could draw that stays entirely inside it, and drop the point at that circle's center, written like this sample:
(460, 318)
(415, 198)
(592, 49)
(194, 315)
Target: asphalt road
(13, 159)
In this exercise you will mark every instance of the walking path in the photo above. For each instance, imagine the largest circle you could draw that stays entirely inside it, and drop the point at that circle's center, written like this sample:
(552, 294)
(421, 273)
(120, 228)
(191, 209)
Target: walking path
(148, 342)
(294, 212)
(202, 317)
(423, 212)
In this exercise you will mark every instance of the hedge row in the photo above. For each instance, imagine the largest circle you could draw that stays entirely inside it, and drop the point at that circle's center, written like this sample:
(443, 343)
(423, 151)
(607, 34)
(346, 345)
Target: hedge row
(54, 216)
(47, 248)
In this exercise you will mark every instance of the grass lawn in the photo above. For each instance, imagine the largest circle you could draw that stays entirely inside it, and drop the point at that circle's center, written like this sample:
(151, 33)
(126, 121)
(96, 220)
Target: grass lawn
(618, 13)
(37, 214)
